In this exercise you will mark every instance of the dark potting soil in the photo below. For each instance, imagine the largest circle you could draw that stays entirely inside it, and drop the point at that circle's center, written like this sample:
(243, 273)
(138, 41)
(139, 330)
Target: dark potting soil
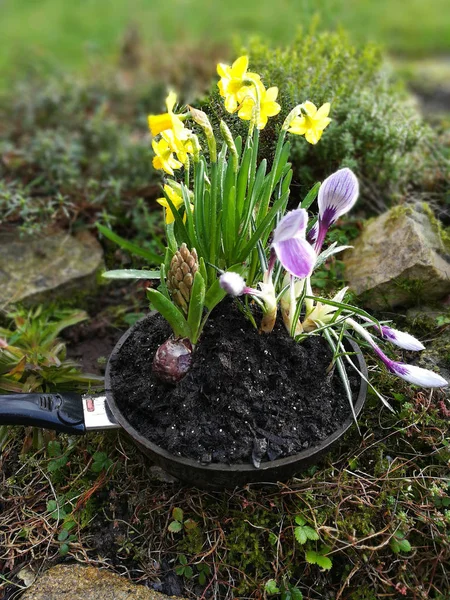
(248, 396)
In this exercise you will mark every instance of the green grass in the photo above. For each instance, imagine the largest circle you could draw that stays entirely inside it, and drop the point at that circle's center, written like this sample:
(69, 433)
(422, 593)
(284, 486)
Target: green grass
(73, 34)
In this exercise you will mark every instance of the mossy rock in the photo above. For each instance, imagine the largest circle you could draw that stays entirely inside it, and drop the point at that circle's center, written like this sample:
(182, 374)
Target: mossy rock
(46, 268)
(400, 259)
(87, 583)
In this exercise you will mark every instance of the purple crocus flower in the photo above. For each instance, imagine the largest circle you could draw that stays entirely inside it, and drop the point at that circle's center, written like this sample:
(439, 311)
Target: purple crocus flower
(293, 251)
(410, 373)
(337, 194)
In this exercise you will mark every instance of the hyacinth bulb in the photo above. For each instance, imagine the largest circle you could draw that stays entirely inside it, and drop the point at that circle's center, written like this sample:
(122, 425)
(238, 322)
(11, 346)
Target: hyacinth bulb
(172, 360)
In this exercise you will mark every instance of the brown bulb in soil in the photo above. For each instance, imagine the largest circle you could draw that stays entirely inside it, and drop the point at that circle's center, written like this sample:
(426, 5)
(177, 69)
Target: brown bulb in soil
(173, 360)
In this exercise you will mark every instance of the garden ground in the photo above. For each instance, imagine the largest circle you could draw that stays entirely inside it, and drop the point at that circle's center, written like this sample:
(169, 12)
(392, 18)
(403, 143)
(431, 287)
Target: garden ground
(373, 518)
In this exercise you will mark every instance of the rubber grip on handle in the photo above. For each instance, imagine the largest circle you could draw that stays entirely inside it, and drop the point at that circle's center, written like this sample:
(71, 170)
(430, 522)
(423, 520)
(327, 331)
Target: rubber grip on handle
(61, 411)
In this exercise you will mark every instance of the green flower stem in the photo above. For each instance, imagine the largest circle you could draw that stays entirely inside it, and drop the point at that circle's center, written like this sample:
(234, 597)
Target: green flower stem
(213, 222)
(269, 190)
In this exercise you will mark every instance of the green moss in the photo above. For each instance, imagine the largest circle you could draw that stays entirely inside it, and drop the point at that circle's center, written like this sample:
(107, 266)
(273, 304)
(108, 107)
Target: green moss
(442, 232)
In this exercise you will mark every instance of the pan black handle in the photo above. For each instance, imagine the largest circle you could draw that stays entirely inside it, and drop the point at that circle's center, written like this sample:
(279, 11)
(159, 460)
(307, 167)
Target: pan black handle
(61, 412)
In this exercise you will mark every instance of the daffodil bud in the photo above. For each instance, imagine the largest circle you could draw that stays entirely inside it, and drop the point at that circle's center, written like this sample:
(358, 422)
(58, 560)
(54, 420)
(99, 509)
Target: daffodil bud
(291, 116)
(201, 118)
(229, 141)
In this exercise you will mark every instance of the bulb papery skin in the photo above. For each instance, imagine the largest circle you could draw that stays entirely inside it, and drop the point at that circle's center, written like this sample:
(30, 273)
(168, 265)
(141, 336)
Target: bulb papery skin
(172, 360)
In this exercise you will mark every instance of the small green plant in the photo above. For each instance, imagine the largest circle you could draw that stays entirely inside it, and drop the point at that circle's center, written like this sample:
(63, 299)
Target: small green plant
(399, 543)
(100, 462)
(304, 532)
(183, 569)
(319, 558)
(179, 523)
(33, 358)
(285, 590)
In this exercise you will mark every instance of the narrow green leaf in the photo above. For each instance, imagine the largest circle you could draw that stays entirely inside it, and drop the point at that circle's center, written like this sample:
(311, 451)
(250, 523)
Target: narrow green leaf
(196, 304)
(181, 233)
(310, 196)
(131, 274)
(266, 224)
(242, 183)
(151, 257)
(170, 312)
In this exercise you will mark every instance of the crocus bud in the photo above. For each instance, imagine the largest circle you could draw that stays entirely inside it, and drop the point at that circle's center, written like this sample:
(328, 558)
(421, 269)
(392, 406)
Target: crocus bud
(232, 283)
(337, 194)
(410, 373)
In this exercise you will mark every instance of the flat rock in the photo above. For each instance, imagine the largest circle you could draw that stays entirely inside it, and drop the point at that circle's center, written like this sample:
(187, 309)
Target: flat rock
(400, 259)
(48, 267)
(79, 582)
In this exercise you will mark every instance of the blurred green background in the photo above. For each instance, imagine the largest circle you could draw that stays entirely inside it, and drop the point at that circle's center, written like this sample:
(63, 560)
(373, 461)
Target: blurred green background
(45, 33)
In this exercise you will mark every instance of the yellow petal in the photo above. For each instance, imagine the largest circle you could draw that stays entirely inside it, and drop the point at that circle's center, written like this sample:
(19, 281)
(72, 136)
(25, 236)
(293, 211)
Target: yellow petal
(312, 136)
(171, 100)
(262, 122)
(159, 123)
(320, 125)
(298, 126)
(158, 163)
(221, 88)
(310, 108)
(247, 109)
(271, 94)
(239, 67)
(223, 70)
(323, 111)
(271, 108)
(230, 103)
(163, 202)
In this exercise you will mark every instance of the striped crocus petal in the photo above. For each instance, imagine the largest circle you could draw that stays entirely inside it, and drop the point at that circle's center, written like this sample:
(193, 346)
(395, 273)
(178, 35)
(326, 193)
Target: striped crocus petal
(293, 251)
(337, 195)
(417, 375)
(311, 236)
(401, 339)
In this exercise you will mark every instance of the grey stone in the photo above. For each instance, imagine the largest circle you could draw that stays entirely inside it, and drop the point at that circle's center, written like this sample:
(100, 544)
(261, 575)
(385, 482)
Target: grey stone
(79, 582)
(47, 267)
(400, 259)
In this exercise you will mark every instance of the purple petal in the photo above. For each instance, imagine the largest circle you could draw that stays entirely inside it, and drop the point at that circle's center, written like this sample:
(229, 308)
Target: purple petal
(337, 194)
(311, 236)
(296, 256)
(293, 224)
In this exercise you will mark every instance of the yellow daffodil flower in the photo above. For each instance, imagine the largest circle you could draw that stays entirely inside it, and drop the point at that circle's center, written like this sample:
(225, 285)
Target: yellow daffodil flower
(176, 200)
(164, 158)
(312, 123)
(179, 146)
(267, 105)
(232, 80)
(168, 120)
